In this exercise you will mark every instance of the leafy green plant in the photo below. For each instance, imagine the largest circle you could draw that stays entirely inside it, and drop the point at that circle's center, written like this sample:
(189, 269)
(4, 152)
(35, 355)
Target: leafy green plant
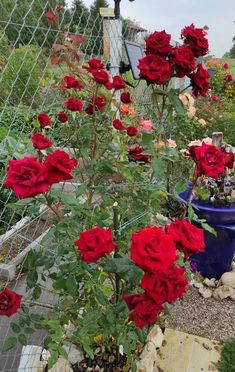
(227, 363)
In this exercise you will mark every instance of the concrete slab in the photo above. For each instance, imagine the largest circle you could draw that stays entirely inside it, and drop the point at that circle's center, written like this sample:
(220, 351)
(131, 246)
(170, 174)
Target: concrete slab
(30, 358)
(182, 352)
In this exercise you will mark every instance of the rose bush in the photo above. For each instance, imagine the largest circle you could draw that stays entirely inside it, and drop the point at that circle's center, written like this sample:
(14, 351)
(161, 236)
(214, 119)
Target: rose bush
(114, 258)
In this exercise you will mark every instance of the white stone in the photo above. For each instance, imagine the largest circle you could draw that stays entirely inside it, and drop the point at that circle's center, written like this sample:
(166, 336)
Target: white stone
(198, 285)
(75, 355)
(232, 297)
(233, 265)
(42, 366)
(223, 292)
(228, 279)
(45, 355)
(209, 282)
(147, 362)
(205, 292)
(156, 336)
(62, 365)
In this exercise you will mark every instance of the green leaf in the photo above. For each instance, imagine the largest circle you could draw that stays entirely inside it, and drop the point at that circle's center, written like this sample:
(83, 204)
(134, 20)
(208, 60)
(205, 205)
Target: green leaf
(91, 317)
(9, 344)
(29, 330)
(59, 283)
(68, 199)
(157, 166)
(22, 339)
(208, 228)
(15, 328)
(71, 286)
(88, 350)
(81, 189)
(176, 102)
(180, 187)
(102, 299)
(32, 278)
(53, 358)
(54, 324)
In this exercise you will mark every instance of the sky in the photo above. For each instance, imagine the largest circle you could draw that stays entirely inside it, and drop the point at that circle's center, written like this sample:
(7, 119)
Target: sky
(173, 15)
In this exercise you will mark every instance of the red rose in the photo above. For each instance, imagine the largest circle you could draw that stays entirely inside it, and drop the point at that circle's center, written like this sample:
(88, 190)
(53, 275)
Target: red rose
(43, 120)
(95, 104)
(95, 64)
(59, 166)
(183, 59)
(154, 69)
(229, 77)
(210, 161)
(118, 83)
(41, 142)
(165, 286)
(95, 243)
(136, 154)
(71, 82)
(132, 131)
(143, 310)
(158, 43)
(9, 302)
(73, 104)
(195, 39)
(101, 77)
(152, 249)
(188, 238)
(229, 159)
(27, 177)
(200, 81)
(225, 66)
(126, 97)
(63, 117)
(117, 124)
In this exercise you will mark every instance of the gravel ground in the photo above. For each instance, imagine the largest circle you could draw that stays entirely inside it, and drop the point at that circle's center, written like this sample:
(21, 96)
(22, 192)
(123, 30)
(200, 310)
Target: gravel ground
(203, 317)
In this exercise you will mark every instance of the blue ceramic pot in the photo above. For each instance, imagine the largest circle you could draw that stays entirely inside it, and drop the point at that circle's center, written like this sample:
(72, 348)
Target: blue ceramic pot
(220, 249)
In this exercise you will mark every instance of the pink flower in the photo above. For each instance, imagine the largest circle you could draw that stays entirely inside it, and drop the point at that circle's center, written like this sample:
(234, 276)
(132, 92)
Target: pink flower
(215, 98)
(145, 125)
(171, 143)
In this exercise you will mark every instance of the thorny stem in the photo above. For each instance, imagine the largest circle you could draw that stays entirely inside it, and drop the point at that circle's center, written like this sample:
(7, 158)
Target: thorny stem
(117, 277)
(190, 196)
(58, 215)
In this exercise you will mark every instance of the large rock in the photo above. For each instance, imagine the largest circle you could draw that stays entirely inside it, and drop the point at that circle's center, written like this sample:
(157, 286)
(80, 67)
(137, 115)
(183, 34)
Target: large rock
(205, 292)
(62, 365)
(228, 279)
(222, 292)
(210, 282)
(75, 355)
(147, 362)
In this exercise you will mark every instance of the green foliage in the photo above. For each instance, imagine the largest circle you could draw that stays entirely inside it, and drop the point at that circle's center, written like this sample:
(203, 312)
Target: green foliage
(21, 74)
(227, 363)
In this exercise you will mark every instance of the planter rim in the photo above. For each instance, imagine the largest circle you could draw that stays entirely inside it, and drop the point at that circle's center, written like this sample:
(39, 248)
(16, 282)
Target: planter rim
(207, 207)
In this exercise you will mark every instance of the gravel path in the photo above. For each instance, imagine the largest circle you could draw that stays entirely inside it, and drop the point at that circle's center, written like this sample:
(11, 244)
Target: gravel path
(203, 317)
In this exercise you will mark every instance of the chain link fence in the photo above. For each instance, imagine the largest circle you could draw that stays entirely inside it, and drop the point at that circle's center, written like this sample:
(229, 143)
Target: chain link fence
(28, 30)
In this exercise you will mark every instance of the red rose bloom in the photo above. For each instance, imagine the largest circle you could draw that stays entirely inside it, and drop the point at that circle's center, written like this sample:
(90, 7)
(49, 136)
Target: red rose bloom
(225, 66)
(71, 82)
(143, 310)
(158, 43)
(95, 104)
(165, 286)
(101, 77)
(117, 124)
(125, 97)
(229, 159)
(27, 177)
(183, 59)
(136, 154)
(118, 83)
(73, 104)
(200, 81)
(63, 117)
(95, 243)
(195, 39)
(229, 77)
(9, 302)
(43, 120)
(95, 64)
(59, 166)
(154, 69)
(210, 161)
(41, 142)
(188, 238)
(132, 131)
(152, 249)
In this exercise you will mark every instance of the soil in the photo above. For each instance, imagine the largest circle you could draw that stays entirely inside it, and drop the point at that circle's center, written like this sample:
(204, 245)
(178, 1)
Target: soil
(104, 364)
(19, 241)
(206, 317)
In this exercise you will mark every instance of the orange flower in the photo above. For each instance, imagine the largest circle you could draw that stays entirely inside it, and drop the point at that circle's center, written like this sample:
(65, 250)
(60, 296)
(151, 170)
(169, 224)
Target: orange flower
(127, 110)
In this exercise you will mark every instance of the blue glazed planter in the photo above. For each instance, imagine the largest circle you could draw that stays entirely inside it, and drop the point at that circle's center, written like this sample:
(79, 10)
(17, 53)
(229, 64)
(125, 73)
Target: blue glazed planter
(220, 249)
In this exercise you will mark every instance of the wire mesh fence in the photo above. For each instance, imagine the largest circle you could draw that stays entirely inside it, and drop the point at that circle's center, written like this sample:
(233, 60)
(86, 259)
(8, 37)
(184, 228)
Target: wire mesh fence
(28, 31)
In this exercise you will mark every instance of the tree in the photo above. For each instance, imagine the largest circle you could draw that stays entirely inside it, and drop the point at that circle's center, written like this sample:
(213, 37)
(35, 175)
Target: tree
(80, 16)
(96, 41)
(26, 23)
(232, 50)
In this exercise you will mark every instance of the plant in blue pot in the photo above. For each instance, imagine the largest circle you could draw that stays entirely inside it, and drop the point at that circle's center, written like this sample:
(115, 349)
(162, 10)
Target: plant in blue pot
(210, 200)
